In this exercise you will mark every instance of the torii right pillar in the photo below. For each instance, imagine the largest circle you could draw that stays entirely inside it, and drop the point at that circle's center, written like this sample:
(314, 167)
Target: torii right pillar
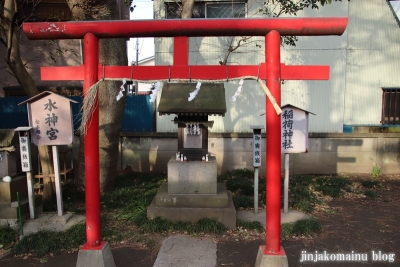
(272, 254)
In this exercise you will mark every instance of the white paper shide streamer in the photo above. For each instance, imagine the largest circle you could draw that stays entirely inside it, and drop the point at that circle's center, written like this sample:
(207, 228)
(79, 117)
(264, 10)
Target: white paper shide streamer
(153, 95)
(193, 94)
(233, 98)
(122, 89)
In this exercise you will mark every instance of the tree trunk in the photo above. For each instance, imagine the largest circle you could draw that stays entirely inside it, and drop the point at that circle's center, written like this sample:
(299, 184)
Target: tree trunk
(14, 61)
(187, 9)
(111, 52)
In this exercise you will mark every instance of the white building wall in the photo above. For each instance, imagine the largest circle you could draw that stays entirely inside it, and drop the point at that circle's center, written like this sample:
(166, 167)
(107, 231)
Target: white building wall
(361, 62)
(324, 98)
(372, 60)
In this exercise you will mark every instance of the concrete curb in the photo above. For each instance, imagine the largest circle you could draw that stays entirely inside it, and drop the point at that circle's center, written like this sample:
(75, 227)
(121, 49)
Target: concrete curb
(290, 217)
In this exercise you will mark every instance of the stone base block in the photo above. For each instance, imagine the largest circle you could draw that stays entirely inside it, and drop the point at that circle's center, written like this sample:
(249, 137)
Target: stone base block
(8, 163)
(10, 210)
(268, 260)
(219, 200)
(8, 191)
(226, 215)
(99, 257)
(192, 177)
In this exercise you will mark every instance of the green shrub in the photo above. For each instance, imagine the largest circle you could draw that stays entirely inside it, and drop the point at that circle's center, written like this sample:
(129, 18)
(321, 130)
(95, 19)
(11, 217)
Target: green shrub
(254, 225)
(7, 237)
(243, 201)
(305, 227)
(302, 227)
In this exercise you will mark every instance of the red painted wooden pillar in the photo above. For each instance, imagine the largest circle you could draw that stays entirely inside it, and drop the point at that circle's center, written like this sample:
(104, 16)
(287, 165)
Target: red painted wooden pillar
(273, 158)
(92, 161)
(181, 50)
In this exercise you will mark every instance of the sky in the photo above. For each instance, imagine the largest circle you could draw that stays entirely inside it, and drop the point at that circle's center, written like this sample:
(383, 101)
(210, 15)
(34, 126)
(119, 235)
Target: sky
(396, 7)
(143, 10)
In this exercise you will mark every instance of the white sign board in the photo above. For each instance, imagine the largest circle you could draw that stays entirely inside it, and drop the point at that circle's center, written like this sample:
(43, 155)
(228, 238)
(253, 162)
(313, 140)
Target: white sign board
(50, 117)
(25, 151)
(294, 126)
(257, 150)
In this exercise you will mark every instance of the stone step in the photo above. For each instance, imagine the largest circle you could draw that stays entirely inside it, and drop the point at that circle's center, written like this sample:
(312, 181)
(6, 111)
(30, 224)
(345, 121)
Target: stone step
(226, 215)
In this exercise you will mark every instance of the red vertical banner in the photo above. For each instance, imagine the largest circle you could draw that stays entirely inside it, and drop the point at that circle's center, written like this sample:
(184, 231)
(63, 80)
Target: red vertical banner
(92, 160)
(273, 157)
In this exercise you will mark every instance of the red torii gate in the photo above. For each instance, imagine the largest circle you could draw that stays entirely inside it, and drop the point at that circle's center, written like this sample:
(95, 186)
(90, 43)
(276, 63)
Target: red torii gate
(272, 71)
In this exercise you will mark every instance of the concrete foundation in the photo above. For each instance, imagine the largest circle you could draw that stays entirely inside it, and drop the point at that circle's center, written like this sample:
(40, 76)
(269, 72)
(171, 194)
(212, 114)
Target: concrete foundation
(225, 215)
(52, 222)
(193, 177)
(268, 260)
(101, 257)
(290, 217)
(192, 193)
(219, 200)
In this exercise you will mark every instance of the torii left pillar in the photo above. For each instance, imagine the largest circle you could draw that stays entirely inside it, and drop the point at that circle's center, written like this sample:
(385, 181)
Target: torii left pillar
(95, 252)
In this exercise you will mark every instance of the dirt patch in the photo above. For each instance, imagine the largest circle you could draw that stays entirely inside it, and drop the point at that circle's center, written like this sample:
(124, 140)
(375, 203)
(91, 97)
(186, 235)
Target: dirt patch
(359, 224)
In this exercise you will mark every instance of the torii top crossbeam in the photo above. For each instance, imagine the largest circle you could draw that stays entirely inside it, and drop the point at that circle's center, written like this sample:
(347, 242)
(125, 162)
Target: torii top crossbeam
(272, 70)
(188, 27)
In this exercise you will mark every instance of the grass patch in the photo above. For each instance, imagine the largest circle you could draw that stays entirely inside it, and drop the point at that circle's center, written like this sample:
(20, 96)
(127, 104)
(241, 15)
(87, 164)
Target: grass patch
(332, 186)
(203, 226)
(301, 195)
(302, 227)
(8, 236)
(255, 225)
(44, 242)
(241, 183)
(370, 193)
(370, 183)
(304, 193)
(304, 190)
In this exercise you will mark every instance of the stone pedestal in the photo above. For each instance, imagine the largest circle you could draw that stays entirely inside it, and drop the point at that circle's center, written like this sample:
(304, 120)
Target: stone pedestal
(269, 260)
(193, 177)
(192, 193)
(96, 257)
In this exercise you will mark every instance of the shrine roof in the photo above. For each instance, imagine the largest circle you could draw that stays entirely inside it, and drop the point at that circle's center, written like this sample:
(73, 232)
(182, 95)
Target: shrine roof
(292, 106)
(210, 100)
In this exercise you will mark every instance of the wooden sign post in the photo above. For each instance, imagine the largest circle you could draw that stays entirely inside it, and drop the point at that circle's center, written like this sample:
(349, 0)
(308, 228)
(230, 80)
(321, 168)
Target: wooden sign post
(50, 119)
(256, 160)
(26, 166)
(294, 139)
